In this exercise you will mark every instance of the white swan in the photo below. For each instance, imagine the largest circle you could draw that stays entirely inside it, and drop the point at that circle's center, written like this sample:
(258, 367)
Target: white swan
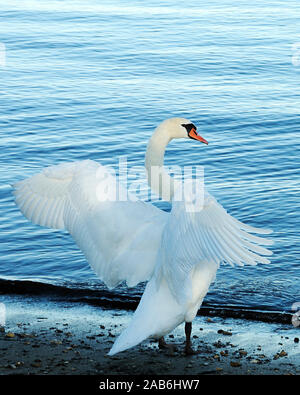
(178, 253)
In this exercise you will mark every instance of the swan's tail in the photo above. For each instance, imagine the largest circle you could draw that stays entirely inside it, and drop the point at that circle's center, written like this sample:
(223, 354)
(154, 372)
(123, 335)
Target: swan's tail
(158, 313)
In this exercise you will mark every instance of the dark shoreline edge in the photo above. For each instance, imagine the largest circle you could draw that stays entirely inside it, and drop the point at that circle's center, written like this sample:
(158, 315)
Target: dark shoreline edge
(110, 300)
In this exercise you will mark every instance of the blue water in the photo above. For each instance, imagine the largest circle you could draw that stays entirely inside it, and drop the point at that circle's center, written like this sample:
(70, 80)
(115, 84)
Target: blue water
(91, 79)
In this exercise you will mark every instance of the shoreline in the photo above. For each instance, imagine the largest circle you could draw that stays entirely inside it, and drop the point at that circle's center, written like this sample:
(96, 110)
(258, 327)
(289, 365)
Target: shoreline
(111, 300)
(47, 337)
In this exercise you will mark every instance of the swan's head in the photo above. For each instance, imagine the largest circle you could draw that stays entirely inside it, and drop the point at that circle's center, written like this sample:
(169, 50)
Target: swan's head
(179, 128)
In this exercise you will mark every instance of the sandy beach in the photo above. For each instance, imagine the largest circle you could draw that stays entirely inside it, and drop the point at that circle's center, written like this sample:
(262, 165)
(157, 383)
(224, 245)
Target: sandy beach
(48, 337)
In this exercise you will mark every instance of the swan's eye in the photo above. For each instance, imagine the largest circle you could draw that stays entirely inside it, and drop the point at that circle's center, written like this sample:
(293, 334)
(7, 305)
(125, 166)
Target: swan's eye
(189, 127)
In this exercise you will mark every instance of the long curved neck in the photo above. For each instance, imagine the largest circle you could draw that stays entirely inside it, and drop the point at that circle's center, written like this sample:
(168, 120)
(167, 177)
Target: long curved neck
(158, 179)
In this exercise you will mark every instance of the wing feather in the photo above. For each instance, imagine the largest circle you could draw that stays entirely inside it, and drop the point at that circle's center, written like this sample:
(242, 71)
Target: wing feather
(206, 234)
(120, 240)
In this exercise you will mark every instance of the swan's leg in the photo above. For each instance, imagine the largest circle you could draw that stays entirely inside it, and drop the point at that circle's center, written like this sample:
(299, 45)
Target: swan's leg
(188, 344)
(163, 345)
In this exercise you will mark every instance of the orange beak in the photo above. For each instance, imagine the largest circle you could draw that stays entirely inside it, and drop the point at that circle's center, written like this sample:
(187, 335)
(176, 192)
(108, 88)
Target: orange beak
(194, 135)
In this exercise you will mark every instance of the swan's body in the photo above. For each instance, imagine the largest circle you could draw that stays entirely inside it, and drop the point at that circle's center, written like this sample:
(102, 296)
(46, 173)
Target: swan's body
(178, 253)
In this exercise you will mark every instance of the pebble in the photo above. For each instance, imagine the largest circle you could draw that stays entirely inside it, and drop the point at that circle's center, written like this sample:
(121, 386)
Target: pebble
(280, 354)
(10, 335)
(219, 344)
(296, 340)
(235, 364)
(226, 333)
(56, 342)
(36, 364)
(283, 353)
(254, 361)
(224, 353)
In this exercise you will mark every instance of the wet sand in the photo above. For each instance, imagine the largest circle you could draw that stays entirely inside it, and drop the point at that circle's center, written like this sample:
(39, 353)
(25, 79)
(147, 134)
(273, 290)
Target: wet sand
(43, 337)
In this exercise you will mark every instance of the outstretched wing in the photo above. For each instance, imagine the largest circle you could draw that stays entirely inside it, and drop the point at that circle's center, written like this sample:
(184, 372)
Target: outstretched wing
(42, 197)
(205, 233)
(120, 239)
